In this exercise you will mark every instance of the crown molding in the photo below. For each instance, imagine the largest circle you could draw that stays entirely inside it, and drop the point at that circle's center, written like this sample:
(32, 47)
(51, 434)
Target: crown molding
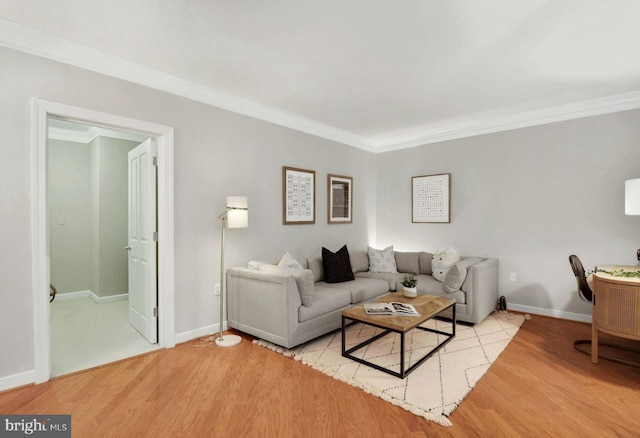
(492, 124)
(91, 134)
(35, 42)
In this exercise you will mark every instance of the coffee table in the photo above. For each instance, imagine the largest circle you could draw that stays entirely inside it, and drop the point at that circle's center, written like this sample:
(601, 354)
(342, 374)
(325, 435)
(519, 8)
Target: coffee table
(427, 305)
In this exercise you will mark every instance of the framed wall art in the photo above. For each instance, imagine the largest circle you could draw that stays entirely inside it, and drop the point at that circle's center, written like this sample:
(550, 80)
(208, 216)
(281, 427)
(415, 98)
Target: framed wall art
(339, 199)
(430, 198)
(298, 196)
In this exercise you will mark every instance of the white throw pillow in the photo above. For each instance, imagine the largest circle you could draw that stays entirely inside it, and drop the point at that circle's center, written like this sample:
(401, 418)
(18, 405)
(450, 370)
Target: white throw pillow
(382, 260)
(288, 261)
(442, 260)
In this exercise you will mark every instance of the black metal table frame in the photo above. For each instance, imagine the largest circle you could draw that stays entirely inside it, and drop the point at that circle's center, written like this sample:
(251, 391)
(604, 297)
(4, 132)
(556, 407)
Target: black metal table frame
(403, 373)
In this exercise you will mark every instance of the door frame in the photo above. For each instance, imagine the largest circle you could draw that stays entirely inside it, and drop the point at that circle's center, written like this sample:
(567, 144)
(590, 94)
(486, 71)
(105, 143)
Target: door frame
(41, 111)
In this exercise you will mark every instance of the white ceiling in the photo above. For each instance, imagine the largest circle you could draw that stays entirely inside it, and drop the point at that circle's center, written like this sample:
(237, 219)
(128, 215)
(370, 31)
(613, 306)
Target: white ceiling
(377, 74)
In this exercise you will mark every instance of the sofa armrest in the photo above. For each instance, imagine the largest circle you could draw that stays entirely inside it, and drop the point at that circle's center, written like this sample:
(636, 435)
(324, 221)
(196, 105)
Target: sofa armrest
(262, 303)
(481, 287)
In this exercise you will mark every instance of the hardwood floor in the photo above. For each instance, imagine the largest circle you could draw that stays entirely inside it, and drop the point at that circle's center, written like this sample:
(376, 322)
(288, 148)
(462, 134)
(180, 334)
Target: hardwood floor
(539, 386)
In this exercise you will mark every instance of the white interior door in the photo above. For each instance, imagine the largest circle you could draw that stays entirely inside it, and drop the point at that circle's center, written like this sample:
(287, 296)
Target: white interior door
(143, 298)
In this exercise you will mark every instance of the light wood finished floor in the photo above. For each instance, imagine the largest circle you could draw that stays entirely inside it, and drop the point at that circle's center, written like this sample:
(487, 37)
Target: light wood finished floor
(539, 386)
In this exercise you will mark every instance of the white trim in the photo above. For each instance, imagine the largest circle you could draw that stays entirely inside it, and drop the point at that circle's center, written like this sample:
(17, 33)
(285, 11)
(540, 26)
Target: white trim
(550, 312)
(73, 295)
(35, 42)
(16, 380)
(42, 109)
(90, 294)
(212, 330)
(197, 333)
(86, 137)
(491, 124)
(108, 299)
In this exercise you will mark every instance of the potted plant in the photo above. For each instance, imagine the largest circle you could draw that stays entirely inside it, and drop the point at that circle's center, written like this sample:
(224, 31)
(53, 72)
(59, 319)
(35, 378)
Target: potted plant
(409, 285)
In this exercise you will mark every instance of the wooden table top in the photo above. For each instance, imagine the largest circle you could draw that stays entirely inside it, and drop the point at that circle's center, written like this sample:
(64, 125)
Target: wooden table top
(426, 305)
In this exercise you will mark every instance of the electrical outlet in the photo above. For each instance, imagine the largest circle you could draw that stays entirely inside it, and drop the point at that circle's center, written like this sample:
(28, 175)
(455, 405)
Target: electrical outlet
(513, 277)
(217, 289)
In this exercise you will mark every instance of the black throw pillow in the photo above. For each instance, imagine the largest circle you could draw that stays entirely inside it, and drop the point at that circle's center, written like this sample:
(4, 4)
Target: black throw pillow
(337, 266)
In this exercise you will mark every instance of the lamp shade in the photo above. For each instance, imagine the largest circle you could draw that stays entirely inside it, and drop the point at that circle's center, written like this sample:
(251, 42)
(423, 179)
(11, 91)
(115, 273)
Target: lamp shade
(632, 196)
(238, 214)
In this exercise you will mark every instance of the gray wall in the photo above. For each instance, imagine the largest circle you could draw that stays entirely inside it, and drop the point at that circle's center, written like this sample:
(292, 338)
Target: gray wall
(217, 153)
(88, 193)
(530, 197)
(70, 220)
(109, 258)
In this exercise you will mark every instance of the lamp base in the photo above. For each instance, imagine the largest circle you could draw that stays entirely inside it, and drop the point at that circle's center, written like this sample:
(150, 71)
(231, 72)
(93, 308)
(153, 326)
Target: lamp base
(228, 341)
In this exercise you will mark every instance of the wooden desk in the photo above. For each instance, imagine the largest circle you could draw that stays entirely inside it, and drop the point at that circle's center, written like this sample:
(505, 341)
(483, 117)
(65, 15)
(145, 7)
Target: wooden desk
(616, 305)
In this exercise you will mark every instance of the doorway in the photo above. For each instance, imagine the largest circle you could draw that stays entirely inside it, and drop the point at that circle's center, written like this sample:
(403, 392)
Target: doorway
(43, 111)
(90, 246)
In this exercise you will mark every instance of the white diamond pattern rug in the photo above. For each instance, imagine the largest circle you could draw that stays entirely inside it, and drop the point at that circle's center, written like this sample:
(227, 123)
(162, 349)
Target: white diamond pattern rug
(434, 389)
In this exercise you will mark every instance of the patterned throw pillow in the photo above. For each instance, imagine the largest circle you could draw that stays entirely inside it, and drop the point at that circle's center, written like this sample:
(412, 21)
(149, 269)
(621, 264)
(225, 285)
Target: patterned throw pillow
(337, 266)
(382, 260)
(442, 260)
(288, 261)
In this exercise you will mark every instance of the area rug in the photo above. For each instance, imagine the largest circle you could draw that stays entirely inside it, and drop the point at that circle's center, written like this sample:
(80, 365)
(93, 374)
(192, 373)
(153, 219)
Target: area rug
(434, 389)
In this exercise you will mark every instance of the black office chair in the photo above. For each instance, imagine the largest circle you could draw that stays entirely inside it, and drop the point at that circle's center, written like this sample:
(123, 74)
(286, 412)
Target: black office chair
(585, 292)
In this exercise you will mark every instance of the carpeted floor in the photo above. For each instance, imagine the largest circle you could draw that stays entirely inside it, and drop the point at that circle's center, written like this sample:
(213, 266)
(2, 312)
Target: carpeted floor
(438, 386)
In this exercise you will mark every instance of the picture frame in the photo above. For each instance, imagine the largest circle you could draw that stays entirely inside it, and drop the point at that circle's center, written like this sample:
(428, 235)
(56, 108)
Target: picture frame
(298, 196)
(431, 198)
(339, 199)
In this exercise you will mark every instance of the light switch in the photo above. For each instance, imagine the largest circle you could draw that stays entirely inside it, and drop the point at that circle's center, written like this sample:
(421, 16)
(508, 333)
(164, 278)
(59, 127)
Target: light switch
(60, 220)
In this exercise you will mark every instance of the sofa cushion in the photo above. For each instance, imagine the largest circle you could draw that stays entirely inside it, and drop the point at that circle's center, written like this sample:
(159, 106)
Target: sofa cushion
(382, 260)
(408, 262)
(458, 273)
(430, 286)
(288, 261)
(336, 265)
(315, 265)
(326, 300)
(303, 277)
(425, 263)
(443, 260)
(359, 261)
(361, 289)
(393, 280)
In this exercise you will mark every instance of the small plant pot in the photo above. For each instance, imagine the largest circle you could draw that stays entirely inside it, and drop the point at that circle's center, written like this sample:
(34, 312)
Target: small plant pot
(410, 292)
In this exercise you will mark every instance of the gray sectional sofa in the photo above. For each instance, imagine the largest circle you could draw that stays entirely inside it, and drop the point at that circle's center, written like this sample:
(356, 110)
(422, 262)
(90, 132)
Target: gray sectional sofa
(291, 306)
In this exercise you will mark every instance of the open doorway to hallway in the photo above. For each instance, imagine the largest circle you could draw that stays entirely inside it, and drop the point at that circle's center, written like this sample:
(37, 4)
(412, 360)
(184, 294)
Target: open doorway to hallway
(89, 246)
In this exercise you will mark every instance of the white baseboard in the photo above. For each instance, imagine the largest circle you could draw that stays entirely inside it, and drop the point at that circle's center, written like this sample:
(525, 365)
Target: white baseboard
(108, 298)
(550, 312)
(11, 382)
(198, 333)
(89, 293)
(72, 295)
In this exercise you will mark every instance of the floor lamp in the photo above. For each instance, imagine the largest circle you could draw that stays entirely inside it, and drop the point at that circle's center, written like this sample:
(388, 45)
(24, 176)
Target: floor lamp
(632, 199)
(235, 216)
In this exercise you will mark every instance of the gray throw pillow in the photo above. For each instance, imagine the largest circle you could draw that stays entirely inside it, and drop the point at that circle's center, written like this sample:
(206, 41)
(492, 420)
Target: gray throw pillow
(457, 274)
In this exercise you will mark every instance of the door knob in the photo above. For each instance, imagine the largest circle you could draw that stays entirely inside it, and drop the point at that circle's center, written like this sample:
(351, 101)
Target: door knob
(128, 248)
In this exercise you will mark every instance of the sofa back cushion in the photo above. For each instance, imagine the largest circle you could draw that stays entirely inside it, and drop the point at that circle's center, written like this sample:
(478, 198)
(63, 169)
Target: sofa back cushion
(336, 265)
(303, 277)
(315, 265)
(359, 261)
(425, 263)
(408, 262)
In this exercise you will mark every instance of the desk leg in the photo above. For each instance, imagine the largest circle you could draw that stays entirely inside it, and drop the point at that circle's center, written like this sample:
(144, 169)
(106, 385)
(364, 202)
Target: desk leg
(594, 343)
